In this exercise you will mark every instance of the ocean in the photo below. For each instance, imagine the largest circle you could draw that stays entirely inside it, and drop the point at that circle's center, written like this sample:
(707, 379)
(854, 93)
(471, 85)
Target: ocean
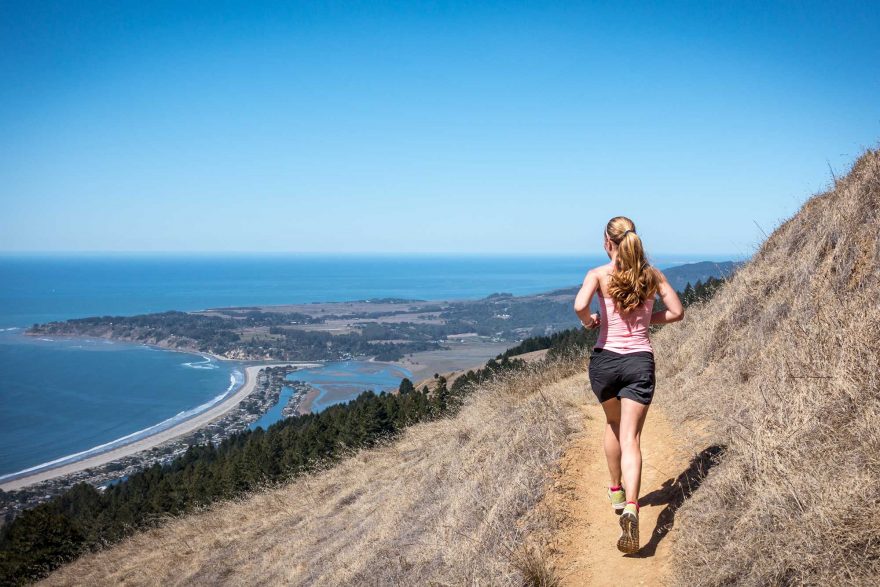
(63, 397)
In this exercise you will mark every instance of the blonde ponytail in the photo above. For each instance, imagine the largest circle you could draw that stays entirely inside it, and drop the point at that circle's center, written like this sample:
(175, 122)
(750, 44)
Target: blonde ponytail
(633, 280)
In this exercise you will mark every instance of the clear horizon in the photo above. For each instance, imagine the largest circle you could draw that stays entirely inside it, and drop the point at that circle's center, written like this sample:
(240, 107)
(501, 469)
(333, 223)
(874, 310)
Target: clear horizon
(710, 256)
(431, 128)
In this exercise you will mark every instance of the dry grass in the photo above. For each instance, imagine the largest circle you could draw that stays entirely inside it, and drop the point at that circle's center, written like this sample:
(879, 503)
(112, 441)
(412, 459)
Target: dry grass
(451, 502)
(783, 367)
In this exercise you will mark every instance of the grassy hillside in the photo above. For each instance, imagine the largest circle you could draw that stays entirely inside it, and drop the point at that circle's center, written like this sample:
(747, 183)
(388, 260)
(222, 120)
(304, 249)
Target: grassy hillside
(782, 368)
(450, 502)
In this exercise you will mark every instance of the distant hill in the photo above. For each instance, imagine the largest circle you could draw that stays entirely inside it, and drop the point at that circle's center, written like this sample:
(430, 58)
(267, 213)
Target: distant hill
(680, 275)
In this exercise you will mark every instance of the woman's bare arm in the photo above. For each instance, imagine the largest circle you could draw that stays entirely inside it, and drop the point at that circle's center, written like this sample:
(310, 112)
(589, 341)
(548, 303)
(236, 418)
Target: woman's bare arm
(674, 310)
(584, 297)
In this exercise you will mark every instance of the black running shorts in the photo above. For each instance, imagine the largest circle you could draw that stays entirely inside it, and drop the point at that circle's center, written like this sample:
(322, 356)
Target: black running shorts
(629, 375)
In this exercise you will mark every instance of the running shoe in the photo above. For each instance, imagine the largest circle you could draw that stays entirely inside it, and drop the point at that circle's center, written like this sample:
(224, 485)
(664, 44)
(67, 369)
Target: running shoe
(629, 526)
(617, 498)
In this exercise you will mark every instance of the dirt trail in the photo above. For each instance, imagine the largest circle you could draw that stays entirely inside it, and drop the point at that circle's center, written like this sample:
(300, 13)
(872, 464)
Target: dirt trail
(588, 553)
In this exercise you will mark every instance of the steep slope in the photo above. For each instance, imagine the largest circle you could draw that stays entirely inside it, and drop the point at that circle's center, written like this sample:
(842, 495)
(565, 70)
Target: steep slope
(782, 368)
(451, 502)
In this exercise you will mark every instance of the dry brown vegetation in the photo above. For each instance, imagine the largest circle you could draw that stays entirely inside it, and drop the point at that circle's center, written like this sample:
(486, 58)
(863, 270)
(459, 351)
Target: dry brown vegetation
(451, 502)
(783, 368)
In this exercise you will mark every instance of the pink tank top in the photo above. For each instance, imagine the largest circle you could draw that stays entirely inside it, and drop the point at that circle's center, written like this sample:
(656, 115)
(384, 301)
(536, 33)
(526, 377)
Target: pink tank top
(624, 334)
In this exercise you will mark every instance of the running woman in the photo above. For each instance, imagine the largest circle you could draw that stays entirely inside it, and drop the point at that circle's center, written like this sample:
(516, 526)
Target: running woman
(622, 361)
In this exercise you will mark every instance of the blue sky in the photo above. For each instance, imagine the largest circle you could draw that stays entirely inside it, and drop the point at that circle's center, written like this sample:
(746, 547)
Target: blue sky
(424, 127)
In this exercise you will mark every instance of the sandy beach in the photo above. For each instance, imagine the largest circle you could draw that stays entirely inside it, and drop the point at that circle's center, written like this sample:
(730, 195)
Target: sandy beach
(149, 442)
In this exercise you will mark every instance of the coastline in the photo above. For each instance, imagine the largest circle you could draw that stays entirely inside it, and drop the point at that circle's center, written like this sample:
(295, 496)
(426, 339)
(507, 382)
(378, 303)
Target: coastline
(419, 366)
(148, 442)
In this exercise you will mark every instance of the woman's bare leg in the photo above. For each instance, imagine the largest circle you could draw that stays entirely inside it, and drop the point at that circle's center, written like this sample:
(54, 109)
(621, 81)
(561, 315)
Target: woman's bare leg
(612, 438)
(632, 418)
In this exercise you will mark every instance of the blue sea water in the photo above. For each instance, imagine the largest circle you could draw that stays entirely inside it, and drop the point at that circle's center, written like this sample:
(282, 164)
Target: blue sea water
(64, 397)
(61, 397)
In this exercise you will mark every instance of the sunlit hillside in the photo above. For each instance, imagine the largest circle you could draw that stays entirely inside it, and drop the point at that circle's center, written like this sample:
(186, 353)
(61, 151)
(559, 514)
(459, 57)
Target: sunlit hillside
(774, 384)
(782, 368)
(451, 502)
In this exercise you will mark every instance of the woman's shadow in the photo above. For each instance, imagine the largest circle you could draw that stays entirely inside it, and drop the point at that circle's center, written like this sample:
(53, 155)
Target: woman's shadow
(674, 493)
